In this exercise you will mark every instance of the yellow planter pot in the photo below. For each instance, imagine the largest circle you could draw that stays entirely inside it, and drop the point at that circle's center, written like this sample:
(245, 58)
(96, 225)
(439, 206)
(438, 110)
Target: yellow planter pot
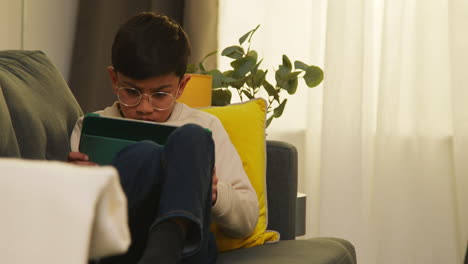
(197, 93)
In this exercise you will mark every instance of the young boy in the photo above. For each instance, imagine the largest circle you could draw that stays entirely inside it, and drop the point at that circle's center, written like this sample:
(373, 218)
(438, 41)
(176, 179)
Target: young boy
(175, 189)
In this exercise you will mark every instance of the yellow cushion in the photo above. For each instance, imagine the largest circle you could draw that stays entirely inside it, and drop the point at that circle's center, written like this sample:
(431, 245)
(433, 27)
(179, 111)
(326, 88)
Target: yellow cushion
(245, 125)
(197, 92)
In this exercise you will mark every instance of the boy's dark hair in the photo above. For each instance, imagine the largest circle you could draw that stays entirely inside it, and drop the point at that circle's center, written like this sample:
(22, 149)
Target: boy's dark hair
(150, 45)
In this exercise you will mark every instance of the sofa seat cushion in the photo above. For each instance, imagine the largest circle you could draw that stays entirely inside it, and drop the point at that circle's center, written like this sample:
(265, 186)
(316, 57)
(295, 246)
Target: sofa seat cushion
(310, 251)
(38, 110)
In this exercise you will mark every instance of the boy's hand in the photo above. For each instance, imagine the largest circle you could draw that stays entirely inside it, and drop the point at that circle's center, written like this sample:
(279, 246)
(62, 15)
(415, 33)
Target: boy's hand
(214, 187)
(80, 159)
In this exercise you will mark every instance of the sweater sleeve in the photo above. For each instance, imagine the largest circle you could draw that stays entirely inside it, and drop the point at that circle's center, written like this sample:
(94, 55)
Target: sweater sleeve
(76, 134)
(111, 111)
(236, 207)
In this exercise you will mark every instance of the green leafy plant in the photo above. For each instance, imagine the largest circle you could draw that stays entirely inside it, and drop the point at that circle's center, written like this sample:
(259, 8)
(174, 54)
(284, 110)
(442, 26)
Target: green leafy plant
(247, 78)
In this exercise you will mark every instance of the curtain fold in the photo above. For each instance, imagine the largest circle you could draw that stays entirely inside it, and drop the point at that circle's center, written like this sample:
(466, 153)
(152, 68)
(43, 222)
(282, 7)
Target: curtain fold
(201, 25)
(393, 173)
(458, 12)
(386, 135)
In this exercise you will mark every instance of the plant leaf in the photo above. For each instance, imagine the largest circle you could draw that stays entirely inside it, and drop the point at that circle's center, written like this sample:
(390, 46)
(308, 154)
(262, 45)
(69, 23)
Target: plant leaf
(218, 78)
(242, 66)
(287, 62)
(280, 76)
(253, 32)
(255, 68)
(249, 95)
(283, 70)
(249, 80)
(237, 83)
(313, 76)
(246, 35)
(228, 73)
(278, 111)
(291, 86)
(290, 82)
(259, 77)
(292, 75)
(233, 52)
(268, 122)
(271, 90)
(202, 68)
(221, 97)
(300, 65)
(253, 54)
(228, 79)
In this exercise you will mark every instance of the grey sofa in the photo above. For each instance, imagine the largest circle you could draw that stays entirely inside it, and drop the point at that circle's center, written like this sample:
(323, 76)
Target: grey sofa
(37, 115)
(282, 193)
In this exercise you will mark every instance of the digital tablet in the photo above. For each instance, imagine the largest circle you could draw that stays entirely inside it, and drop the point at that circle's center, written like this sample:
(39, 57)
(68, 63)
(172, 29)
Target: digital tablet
(103, 137)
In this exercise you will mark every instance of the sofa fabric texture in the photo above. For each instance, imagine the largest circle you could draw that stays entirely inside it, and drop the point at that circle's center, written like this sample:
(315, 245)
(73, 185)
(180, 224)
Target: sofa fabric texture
(38, 112)
(282, 188)
(37, 109)
(310, 251)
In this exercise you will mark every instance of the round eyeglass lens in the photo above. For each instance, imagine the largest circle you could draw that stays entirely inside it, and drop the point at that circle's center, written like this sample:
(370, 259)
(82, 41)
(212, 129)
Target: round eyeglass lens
(162, 100)
(129, 96)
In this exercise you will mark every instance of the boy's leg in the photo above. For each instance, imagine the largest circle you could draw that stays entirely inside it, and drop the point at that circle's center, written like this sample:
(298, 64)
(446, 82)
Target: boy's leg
(188, 161)
(167, 184)
(140, 172)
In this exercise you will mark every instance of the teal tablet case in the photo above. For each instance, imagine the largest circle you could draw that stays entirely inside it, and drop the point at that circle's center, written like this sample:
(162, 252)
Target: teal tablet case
(103, 137)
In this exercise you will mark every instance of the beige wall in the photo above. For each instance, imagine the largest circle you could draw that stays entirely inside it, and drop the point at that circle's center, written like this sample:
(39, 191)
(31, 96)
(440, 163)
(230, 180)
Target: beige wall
(47, 25)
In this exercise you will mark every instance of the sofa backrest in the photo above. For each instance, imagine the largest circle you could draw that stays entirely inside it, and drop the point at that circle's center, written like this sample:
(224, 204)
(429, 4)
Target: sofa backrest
(37, 108)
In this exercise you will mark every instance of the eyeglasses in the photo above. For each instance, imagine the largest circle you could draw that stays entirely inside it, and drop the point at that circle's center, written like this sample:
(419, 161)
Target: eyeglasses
(160, 101)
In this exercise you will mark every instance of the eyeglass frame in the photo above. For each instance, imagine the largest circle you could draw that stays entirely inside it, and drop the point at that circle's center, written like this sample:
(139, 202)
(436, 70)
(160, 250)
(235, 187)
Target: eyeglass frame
(149, 96)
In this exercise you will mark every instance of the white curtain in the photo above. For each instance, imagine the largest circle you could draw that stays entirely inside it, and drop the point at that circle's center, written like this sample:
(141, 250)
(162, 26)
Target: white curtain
(385, 156)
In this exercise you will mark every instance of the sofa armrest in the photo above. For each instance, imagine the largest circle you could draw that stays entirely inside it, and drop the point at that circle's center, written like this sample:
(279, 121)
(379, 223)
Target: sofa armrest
(282, 188)
(37, 108)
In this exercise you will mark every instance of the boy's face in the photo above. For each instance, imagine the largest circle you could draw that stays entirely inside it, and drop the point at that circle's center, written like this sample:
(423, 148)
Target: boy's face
(144, 110)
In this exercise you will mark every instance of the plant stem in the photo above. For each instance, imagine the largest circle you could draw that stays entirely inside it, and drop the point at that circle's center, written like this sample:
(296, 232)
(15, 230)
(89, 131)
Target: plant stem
(240, 94)
(271, 99)
(270, 102)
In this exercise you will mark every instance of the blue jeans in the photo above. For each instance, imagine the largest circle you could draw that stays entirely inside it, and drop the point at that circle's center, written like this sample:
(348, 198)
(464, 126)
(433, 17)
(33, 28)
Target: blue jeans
(167, 181)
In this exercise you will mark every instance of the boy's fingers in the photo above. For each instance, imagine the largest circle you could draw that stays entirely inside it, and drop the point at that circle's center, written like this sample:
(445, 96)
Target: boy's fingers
(214, 187)
(77, 156)
(80, 159)
(84, 163)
